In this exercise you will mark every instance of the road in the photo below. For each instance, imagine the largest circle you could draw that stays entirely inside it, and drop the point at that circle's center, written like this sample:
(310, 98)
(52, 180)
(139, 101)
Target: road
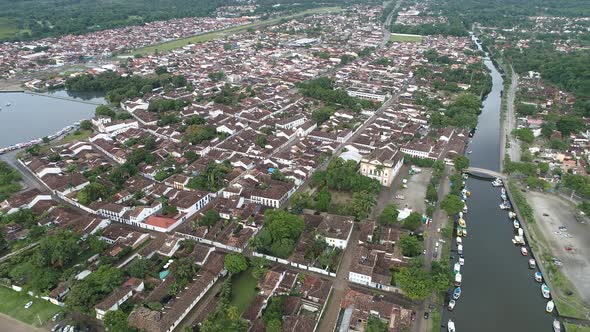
(439, 220)
(387, 24)
(28, 179)
(513, 150)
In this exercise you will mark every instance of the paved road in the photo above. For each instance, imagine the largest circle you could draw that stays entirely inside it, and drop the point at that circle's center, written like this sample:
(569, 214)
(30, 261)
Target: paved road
(510, 124)
(387, 24)
(439, 220)
(29, 180)
(328, 323)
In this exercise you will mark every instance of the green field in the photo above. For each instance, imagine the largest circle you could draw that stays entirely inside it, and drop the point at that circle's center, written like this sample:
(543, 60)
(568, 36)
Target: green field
(7, 28)
(400, 37)
(243, 290)
(13, 305)
(569, 327)
(178, 43)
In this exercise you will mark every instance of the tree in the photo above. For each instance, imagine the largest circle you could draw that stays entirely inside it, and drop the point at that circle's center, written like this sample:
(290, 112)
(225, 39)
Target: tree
(259, 267)
(280, 233)
(57, 250)
(525, 135)
(452, 204)
(86, 125)
(116, 321)
(160, 70)
(410, 245)
(413, 221)
(389, 215)
(569, 124)
(85, 293)
(323, 200)
(431, 193)
(210, 218)
(414, 281)
(235, 263)
(461, 163)
(139, 268)
(374, 324)
(322, 115)
(103, 110)
(362, 203)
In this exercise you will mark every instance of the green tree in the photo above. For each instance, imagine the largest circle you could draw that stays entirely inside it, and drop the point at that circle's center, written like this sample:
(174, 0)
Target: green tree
(116, 321)
(389, 215)
(86, 125)
(414, 281)
(361, 204)
(103, 110)
(461, 163)
(374, 324)
(410, 245)
(413, 221)
(452, 204)
(235, 263)
(210, 218)
(323, 200)
(57, 250)
(525, 135)
(139, 268)
(431, 193)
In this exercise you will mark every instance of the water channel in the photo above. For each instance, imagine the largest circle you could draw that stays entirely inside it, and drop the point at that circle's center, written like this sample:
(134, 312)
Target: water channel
(499, 292)
(25, 116)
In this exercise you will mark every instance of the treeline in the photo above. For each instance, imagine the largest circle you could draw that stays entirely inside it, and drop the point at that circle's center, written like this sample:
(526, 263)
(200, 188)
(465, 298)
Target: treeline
(323, 88)
(453, 28)
(462, 112)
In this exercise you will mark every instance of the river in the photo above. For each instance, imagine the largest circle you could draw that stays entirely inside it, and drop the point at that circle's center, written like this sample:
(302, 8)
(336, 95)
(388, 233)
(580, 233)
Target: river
(33, 116)
(499, 292)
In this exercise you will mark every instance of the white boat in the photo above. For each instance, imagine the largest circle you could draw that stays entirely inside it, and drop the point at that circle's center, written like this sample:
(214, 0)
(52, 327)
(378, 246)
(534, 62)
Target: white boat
(456, 268)
(503, 196)
(518, 240)
(505, 205)
(532, 264)
(465, 176)
(460, 214)
(452, 305)
(516, 224)
(457, 293)
(459, 240)
(460, 247)
(464, 208)
(451, 326)
(550, 306)
(520, 232)
(458, 279)
(545, 291)
(538, 277)
(503, 191)
(462, 222)
(497, 182)
(556, 326)
(524, 251)
(511, 214)
(461, 261)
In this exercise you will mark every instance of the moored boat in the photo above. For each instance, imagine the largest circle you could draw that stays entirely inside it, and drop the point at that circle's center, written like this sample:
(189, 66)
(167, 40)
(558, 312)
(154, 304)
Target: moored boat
(516, 224)
(459, 231)
(460, 249)
(524, 251)
(452, 305)
(458, 279)
(464, 208)
(459, 240)
(538, 277)
(532, 263)
(556, 326)
(456, 268)
(451, 326)
(457, 293)
(461, 261)
(511, 214)
(462, 222)
(545, 291)
(464, 232)
(549, 307)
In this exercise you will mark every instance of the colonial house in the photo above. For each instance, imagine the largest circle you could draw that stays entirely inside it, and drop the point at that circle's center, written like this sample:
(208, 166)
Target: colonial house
(383, 164)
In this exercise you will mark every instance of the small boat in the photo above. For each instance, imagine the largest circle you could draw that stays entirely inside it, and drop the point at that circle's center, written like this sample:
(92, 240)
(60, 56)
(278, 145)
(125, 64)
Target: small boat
(518, 240)
(550, 306)
(511, 214)
(465, 176)
(464, 232)
(452, 305)
(462, 222)
(538, 277)
(460, 249)
(460, 214)
(459, 240)
(470, 152)
(451, 326)
(520, 232)
(516, 224)
(545, 291)
(456, 268)
(556, 326)
(524, 251)
(461, 261)
(497, 182)
(468, 193)
(532, 264)
(458, 279)
(459, 231)
(505, 205)
(464, 208)
(503, 197)
(457, 293)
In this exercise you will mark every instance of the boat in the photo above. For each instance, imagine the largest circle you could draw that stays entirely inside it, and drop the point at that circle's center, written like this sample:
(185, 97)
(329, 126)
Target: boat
(524, 251)
(550, 306)
(470, 152)
(511, 214)
(518, 240)
(457, 293)
(456, 268)
(451, 326)
(462, 222)
(461, 261)
(459, 240)
(465, 176)
(468, 193)
(532, 264)
(464, 208)
(503, 196)
(452, 305)
(520, 232)
(458, 279)
(464, 232)
(460, 249)
(460, 214)
(505, 205)
(516, 224)
(545, 291)
(459, 231)
(503, 191)
(538, 277)
(497, 182)
(8, 104)
(556, 326)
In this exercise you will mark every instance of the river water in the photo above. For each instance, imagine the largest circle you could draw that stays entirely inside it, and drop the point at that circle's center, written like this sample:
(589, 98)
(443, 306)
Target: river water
(499, 292)
(32, 116)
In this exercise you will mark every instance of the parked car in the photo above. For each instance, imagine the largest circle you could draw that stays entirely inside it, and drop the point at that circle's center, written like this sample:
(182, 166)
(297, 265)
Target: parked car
(28, 305)
(55, 317)
(426, 314)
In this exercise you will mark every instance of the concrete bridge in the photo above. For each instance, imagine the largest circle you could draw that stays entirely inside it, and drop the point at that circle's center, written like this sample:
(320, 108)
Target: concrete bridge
(484, 173)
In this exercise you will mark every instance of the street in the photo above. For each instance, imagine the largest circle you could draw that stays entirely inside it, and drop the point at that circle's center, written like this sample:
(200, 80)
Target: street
(513, 150)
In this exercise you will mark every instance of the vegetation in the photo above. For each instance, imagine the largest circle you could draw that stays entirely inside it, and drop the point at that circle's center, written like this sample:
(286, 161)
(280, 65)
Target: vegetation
(280, 233)
(396, 37)
(453, 28)
(410, 245)
(85, 293)
(212, 178)
(226, 316)
(116, 320)
(418, 284)
(38, 314)
(462, 112)
(389, 215)
(579, 183)
(461, 163)
(413, 221)
(323, 88)
(374, 324)
(452, 204)
(235, 263)
(9, 181)
(344, 176)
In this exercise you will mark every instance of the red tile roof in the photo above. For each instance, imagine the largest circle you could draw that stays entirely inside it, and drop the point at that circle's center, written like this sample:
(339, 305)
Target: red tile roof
(162, 222)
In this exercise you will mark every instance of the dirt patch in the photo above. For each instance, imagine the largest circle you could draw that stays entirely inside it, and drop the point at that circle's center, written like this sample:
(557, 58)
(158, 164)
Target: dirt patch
(570, 244)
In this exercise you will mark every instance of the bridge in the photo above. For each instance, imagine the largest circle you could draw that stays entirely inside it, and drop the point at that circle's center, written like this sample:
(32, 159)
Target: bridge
(484, 173)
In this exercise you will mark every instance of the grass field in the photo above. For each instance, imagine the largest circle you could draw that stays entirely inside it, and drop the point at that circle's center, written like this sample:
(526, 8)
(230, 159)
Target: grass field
(7, 28)
(569, 327)
(400, 37)
(178, 43)
(243, 290)
(13, 305)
